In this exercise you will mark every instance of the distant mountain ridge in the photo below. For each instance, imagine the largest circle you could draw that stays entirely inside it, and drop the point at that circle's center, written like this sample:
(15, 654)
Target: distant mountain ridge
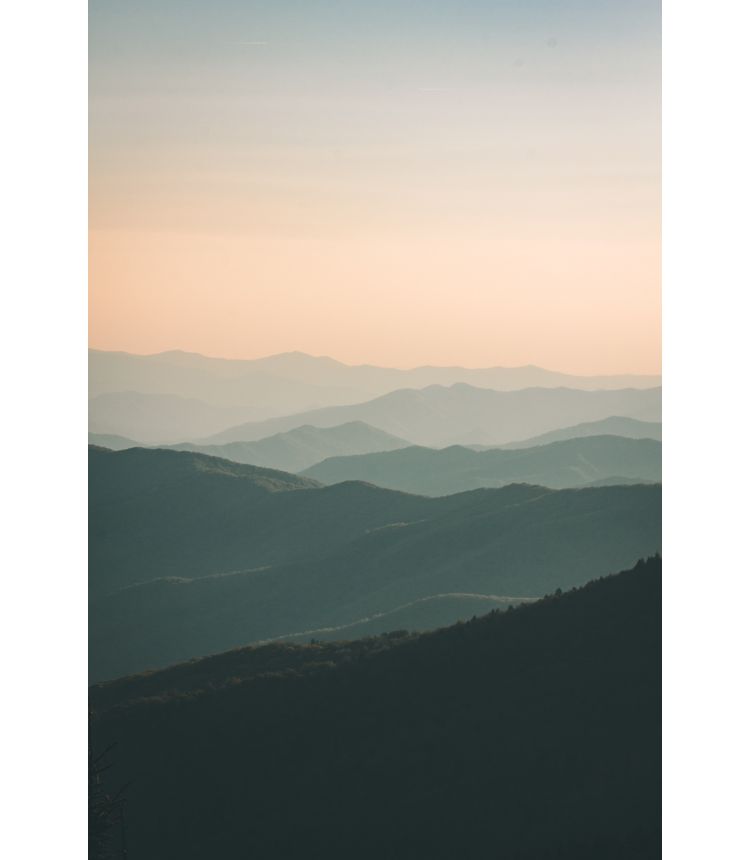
(170, 372)
(570, 463)
(615, 425)
(218, 382)
(302, 447)
(461, 414)
(175, 397)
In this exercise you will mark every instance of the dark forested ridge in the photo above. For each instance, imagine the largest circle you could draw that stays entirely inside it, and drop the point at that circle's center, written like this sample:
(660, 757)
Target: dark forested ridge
(261, 554)
(160, 513)
(528, 735)
(568, 463)
(156, 513)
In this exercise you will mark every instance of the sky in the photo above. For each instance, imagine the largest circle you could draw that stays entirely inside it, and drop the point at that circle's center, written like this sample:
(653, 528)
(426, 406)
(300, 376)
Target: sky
(456, 182)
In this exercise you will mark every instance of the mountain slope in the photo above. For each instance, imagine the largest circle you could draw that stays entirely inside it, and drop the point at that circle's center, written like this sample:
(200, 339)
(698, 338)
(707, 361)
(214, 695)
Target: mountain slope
(572, 463)
(161, 513)
(427, 613)
(304, 446)
(531, 735)
(629, 428)
(438, 416)
(340, 554)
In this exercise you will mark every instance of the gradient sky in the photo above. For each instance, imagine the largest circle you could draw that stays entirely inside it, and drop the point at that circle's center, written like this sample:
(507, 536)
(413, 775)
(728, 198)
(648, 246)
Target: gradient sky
(468, 182)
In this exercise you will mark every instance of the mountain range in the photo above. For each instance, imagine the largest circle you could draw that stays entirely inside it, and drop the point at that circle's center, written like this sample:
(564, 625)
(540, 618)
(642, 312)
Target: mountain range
(299, 449)
(227, 554)
(532, 734)
(156, 513)
(615, 425)
(302, 447)
(263, 385)
(426, 471)
(175, 397)
(232, 382)
(437, 416)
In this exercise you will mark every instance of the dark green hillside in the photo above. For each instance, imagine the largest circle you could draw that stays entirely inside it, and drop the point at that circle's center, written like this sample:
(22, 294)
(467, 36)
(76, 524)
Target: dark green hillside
(239, 664)
(163, 513)
(121, 474)
(528, 735)
(570, 463)
(517, 541)
(426, 613)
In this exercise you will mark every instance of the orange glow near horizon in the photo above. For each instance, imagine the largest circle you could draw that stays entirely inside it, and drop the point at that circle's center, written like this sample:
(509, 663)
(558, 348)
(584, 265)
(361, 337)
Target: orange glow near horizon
(471, 302)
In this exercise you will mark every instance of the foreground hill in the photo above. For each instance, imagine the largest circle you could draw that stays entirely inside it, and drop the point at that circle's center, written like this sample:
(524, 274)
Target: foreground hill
(437, 416)
(572, 463)
(616, 425)
(304, 446)
(288, 558)
(533, 734)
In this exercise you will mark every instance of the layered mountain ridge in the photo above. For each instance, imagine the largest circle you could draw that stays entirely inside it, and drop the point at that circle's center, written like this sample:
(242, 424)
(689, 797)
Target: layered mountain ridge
(569, 463)
(175, 397)
(192, 554)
